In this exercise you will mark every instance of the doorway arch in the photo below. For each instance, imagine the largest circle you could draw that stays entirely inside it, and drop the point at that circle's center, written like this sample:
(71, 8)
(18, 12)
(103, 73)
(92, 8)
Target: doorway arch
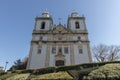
(59, 63)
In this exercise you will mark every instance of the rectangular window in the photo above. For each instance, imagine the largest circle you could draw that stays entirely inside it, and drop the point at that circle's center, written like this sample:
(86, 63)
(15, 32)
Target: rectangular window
(53, 50)
(79, 38)
(66, 50)
(39, 50)
(80, 51)
(41, 37)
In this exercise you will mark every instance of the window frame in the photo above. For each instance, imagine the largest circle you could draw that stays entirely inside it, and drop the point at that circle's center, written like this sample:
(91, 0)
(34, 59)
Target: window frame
(39, 51)
(53, 50)
(77, 25)
(66, 50)
(42, 25)
(79, 38)
(41, 38)
(80, 51)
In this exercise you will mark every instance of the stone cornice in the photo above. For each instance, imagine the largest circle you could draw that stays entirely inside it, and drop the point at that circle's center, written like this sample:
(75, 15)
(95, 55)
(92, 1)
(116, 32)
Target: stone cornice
(60, 41)
(43, 18)
(76, 18)
(46, 32)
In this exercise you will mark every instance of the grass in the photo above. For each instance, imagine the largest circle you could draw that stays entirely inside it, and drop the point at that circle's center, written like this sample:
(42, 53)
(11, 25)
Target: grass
(57, 75)
(72, 72)
(3, 77)
(19, 77)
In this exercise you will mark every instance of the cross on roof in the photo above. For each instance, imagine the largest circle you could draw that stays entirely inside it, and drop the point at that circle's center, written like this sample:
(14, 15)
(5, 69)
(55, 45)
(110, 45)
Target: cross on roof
(60, 20)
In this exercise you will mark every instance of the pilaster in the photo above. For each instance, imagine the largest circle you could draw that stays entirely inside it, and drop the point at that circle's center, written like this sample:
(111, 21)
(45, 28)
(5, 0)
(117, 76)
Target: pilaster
(30, 56)
(47, 55)
(89, 53)
(72, 54)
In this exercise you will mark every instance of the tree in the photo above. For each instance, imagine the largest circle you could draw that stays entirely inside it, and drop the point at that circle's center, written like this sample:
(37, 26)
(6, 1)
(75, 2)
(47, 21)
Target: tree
(114, 53)
(20, 64)
(102, 53)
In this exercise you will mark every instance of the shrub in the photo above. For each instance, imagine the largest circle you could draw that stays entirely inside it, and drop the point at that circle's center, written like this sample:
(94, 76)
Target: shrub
(66, 68)
(2, 73)
(44, 70)
(27, 71)
(109, 71)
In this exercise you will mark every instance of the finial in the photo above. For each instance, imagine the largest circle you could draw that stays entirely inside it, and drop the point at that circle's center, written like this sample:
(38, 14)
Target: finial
(60, 20)
(45, 11)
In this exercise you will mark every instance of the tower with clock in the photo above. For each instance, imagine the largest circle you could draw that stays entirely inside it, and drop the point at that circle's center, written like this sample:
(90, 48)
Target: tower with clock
(58, 45)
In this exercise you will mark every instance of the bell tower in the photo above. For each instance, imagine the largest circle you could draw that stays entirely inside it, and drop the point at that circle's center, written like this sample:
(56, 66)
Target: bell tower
(76, 23)
(43, 23)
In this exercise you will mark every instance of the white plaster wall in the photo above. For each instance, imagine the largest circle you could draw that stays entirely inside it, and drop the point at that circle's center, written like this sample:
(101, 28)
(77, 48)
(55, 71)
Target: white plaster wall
(83, 38)
(72, 24)
(81, 58)
(47, 24)
(38, 60)
(37, 37)
(52, 57)
(45, 38)
(67, 56)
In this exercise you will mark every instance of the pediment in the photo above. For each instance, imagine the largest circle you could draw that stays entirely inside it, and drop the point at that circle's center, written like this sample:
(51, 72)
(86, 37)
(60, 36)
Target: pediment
(59, 29)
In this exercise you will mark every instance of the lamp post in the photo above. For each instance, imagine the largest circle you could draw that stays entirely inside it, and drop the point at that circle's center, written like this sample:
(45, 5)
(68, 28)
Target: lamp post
(6, 65)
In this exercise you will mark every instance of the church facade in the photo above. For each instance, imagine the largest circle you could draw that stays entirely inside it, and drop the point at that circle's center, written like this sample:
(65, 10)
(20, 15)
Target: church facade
(57, 45)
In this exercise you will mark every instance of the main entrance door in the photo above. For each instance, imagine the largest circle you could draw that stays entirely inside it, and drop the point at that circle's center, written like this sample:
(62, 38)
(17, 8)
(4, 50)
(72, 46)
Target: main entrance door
(59, 63)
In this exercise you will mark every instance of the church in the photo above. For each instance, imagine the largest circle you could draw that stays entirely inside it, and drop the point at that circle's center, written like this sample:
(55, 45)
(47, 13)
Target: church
(59, 45)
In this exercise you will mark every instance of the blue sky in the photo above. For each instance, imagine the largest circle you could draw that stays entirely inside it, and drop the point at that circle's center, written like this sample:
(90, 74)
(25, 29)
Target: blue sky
(17, 22)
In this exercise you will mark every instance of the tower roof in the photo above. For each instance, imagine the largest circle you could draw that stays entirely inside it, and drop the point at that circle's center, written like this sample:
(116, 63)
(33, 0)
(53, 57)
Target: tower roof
(74, 14)
(45, 14)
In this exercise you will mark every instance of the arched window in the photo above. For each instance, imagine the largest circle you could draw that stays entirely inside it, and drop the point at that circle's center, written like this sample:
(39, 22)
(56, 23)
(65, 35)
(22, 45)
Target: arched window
(77, 25)
(43, 25)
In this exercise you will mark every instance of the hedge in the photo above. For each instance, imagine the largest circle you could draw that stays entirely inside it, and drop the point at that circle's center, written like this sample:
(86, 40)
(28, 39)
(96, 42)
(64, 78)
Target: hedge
(44, 70)
(63, 68)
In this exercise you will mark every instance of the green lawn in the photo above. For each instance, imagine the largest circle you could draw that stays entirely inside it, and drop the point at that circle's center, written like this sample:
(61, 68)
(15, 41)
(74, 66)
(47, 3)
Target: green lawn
(57, 75)
(19, 77)
(72, 72)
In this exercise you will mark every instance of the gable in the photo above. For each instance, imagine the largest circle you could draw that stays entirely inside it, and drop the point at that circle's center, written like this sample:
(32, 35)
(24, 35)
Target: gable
(58, 29)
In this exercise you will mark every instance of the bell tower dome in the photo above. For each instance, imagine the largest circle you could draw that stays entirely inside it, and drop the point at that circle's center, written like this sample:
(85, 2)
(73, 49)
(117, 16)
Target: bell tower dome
(74, 14)
(44, 22)
(76, 23)
(45, 14)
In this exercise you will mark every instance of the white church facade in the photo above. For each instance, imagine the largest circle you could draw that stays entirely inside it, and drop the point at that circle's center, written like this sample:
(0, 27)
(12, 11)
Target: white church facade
(57, 45)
